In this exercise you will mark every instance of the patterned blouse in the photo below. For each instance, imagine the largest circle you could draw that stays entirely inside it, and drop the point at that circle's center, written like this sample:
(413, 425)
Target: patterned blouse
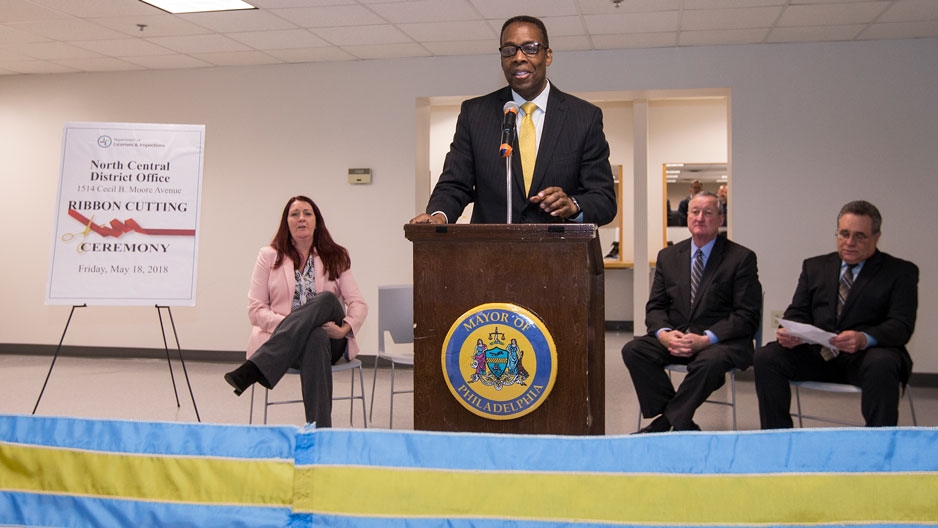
(305, 284)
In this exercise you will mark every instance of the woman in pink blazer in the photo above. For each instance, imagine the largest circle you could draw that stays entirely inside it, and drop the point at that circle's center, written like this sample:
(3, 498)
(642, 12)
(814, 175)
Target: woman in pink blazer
(305, 308)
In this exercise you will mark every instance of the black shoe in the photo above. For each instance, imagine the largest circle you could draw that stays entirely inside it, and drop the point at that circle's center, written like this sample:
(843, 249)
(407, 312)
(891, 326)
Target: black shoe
(692, 427)
(614, 252)
(658, 425)
(243, 377)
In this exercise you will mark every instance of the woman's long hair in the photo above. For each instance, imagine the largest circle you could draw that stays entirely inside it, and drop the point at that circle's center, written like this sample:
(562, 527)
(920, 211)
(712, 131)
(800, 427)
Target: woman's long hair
(335, 258)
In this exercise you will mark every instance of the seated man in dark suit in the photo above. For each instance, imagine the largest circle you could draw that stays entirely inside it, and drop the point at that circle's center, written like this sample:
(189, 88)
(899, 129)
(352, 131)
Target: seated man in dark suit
(704, 308)
(869, 299)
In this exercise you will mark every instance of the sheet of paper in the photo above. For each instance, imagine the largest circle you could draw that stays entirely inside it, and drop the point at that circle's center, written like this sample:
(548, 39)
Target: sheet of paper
(807, 333)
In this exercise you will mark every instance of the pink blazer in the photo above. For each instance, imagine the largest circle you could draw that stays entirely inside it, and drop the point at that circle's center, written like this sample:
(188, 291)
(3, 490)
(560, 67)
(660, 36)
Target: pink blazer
(270, 297)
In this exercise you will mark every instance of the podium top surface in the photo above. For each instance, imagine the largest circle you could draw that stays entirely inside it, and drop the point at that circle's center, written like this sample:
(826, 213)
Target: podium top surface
(415, 232)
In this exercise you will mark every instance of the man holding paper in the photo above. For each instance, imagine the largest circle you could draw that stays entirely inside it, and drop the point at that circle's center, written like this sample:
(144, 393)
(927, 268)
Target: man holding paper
(868, 299)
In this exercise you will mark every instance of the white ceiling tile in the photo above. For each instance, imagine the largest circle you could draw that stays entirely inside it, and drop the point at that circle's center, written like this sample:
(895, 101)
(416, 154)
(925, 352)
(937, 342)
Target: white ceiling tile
(247, 20)
(901, 30)
(28, 67)
(14, 53)
(729, 4)
(722, 37)
(312, 55)
(100, 64)
(387, 51)
(606, 7)
(797, 2)
(632, 23)
(55, 50)
(831, 14)
(570, 43)
(502, 10)
(20, 11)
(277, 4)
(9, 35)
(463, 47)
(443, 31)
(561, 26)
(98, 8)
(814, 33)
(156, 26)
(718, 19)
(268, 40)
(662, 39)
(349, 36)
(323, 17)
(425, 11)
(167, 62)
(911, 11)
(237, 58)
(199, 43)
(126, 47)
(67, 29)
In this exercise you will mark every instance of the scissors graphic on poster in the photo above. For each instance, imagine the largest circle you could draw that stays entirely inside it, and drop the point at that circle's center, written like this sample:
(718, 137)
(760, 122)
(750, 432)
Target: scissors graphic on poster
(68, 237)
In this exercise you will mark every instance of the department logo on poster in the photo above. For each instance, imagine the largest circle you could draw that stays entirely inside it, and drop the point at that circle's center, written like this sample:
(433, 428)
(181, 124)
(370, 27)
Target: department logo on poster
(499, 361)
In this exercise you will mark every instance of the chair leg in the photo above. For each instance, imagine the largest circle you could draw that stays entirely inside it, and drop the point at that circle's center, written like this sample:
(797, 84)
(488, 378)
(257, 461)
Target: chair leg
(266, 403)
(733, 396)
(908, 394)
(391, 415)
(361, 380)
(351, 399)
(251, 410)
(374, 382)
(798, 400)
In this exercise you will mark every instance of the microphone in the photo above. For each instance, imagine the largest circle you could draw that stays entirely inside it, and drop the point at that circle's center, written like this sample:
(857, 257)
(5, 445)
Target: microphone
(508, 128)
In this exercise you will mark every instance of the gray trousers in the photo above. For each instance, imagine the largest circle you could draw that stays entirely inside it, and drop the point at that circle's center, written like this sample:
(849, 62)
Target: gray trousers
(299, 341)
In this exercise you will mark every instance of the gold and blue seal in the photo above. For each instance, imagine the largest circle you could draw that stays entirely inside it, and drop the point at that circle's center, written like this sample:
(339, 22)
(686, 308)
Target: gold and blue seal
(499, 361)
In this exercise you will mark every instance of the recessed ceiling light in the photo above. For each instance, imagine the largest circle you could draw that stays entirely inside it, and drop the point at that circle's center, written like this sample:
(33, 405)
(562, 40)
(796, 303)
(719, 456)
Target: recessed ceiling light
(198, 6)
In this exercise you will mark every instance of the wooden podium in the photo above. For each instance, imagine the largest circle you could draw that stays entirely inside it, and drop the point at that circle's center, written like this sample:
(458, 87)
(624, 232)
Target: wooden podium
(552, 270)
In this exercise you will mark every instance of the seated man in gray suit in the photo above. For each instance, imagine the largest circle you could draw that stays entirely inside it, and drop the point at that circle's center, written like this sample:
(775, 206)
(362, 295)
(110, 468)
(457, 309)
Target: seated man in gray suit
(704, 308)
(869, 299)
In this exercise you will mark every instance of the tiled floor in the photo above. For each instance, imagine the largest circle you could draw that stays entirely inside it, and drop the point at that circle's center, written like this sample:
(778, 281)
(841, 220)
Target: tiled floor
(141, 389)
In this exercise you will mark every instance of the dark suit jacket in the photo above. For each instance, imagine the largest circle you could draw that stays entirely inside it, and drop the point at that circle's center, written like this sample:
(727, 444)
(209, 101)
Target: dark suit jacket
(729, 297)
(882, 301)
(573, 154)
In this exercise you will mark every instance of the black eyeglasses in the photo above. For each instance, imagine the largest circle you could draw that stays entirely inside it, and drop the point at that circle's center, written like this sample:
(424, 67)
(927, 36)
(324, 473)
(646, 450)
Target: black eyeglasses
(528, 48)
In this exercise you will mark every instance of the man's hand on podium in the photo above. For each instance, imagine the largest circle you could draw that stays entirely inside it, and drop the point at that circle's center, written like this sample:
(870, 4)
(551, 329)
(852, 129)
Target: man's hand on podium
(424, 218)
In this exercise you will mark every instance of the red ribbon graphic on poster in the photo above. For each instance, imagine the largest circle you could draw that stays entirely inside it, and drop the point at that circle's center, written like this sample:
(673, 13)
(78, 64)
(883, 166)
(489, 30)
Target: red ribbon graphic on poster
(117, 228)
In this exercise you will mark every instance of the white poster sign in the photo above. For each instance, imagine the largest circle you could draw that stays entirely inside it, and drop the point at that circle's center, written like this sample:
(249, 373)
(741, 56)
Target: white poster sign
(127, 218)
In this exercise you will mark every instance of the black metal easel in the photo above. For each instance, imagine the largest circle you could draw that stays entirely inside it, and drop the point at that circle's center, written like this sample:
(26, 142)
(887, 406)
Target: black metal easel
(165, 347)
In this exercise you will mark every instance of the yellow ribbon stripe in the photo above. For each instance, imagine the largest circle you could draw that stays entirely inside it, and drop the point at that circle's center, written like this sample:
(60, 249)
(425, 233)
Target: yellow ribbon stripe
(637, 498)
(163, 478)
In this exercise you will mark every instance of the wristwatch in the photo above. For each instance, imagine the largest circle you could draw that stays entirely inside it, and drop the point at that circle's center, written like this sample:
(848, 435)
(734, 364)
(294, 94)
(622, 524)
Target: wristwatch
(578, 208)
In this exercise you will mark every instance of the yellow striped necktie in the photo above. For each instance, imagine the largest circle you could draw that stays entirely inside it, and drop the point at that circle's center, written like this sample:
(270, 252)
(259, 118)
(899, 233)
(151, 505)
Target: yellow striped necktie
(527, 145)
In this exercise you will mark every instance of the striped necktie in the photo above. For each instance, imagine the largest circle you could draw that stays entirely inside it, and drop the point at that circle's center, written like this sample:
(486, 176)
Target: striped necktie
(846, 282)
(527, 144)
(696, 274)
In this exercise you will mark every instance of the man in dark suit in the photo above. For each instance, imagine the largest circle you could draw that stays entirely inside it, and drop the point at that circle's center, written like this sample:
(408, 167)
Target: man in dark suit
(571, 178)
(704, 308)
(869, 299)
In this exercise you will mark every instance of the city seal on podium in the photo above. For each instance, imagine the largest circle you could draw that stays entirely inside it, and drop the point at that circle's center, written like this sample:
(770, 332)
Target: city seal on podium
(499, 361)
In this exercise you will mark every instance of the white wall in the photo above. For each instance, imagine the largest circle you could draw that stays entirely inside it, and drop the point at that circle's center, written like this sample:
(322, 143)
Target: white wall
(813, 126)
